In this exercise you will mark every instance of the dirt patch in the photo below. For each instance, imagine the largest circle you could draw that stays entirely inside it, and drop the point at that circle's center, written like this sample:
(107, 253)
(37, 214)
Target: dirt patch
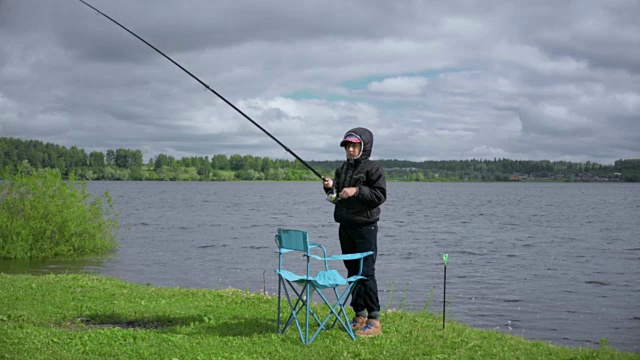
(138, 324)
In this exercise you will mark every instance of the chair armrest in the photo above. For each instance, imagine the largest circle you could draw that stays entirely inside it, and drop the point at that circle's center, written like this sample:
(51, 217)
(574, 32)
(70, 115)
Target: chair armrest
(344, 257)
(324, 254)
(283, 251)
(316, 245)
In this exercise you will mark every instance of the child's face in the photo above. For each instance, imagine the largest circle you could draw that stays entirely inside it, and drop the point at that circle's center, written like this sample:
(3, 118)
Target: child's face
(353, 150)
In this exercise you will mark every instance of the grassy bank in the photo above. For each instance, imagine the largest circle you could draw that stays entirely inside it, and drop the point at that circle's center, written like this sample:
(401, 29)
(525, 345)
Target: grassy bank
(85, 317)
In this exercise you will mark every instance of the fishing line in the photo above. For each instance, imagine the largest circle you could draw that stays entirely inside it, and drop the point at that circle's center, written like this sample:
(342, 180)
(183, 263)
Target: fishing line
(208, 88)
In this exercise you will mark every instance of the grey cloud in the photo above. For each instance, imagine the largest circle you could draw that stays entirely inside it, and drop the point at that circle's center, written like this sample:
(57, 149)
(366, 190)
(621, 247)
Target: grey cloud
(509, 69)
(196, 25)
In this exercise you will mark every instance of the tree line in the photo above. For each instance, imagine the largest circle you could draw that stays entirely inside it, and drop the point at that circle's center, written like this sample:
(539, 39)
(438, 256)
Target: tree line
(128, 164)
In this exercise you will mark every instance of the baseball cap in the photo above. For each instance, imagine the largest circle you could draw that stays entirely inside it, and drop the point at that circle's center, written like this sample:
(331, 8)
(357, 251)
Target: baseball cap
(350, 138)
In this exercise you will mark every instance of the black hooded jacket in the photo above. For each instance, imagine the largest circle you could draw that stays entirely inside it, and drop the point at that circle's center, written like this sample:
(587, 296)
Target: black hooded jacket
(367, 175)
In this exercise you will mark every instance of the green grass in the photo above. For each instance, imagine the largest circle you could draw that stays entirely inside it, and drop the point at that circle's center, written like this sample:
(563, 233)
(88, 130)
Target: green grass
(95, 317)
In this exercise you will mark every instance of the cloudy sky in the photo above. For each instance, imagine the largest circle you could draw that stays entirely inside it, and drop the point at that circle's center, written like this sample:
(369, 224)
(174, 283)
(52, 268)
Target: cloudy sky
(433, 80)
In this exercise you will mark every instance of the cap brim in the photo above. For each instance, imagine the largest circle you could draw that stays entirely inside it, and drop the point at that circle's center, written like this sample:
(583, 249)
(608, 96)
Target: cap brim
(344, 142)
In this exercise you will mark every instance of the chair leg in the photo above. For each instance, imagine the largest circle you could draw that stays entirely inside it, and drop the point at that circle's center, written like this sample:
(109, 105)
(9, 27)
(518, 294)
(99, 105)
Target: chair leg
(344, 303)
(306, 318)
(342, 310)
(279, 304)
(338, 311)
(294, 312)
(295, 308)
(286, 289)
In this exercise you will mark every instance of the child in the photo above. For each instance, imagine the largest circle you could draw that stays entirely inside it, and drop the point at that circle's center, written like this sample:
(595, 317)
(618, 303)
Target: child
(358, 190)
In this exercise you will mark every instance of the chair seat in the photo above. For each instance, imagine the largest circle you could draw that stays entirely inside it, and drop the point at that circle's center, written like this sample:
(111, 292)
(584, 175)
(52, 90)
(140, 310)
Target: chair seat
(323, 280)
(288, 275)
(329, 279)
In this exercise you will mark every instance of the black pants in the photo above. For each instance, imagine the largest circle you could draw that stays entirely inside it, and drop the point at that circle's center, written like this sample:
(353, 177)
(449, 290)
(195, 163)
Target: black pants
(357, 239)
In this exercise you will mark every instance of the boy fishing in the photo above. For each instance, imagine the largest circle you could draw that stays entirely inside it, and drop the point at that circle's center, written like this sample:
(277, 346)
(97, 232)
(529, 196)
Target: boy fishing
(358, 190)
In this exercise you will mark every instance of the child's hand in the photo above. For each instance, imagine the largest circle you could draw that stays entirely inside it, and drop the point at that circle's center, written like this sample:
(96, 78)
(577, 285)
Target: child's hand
(327, 183)
(348, 192)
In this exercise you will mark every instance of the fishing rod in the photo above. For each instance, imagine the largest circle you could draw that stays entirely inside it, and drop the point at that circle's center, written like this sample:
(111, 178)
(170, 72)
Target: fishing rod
(208, 88)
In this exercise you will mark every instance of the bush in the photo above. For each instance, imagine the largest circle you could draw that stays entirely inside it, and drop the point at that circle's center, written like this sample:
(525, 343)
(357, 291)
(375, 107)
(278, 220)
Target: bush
(42, 216)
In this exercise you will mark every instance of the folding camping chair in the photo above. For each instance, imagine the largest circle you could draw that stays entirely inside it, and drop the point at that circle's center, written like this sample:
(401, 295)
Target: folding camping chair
(298, 299)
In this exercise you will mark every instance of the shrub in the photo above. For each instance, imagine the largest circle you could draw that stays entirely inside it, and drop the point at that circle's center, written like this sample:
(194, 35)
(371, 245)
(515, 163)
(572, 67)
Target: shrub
(42, 216)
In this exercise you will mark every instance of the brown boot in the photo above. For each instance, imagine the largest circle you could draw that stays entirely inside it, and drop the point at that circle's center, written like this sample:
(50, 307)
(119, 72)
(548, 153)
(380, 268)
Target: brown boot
(358, 322)
(371, 328)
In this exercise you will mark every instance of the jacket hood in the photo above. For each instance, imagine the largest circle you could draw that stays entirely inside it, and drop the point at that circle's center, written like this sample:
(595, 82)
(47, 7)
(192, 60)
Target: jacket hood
(365, 136)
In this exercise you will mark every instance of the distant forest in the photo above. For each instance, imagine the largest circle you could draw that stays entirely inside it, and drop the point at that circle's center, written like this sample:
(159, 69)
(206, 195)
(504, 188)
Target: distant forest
(128, 164)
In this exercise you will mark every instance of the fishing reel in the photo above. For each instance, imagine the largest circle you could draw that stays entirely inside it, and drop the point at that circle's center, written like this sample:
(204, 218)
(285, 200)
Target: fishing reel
(333, 197)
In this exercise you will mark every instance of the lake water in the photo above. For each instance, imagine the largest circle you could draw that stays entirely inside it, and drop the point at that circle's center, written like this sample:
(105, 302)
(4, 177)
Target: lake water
(557, 262)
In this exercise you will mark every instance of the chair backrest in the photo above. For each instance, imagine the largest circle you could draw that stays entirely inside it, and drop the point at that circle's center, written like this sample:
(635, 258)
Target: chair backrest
(296, 240)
